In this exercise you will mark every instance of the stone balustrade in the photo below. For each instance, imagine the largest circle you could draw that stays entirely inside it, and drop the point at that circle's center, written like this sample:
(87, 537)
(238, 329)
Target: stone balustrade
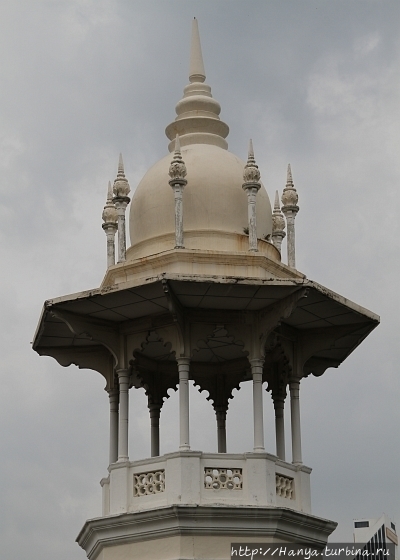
(196, 478)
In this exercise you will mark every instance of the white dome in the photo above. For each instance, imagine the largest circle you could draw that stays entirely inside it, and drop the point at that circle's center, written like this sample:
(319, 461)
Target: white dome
(214, 205)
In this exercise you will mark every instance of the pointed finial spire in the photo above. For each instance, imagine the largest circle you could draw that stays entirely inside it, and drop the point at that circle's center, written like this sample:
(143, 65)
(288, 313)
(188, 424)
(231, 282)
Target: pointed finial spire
(177, 145)
(289, 180)
(109, 192)
(197, 120)
(251, 149)
(177, 169)
(121, 185)
(196, 72)
(121, 170)
(251, 172)
(290, 196)
(277, 206)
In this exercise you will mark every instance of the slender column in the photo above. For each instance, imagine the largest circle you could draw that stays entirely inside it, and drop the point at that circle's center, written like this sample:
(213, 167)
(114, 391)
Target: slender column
(121, 204)
(110, 230)
(178, 192)
(123, 379)
(251, 210)
(155, 410)
(291, 241)
(177, 172)
(220, 413)
(290, 209)
(279, 406)
(295, 421)
(256, 370)
(113, 396)
(110, 227)
(251, 185)
(183, 368)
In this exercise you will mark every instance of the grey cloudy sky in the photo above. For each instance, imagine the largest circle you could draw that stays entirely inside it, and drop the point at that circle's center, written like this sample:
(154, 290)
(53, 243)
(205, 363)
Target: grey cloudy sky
(313, 82)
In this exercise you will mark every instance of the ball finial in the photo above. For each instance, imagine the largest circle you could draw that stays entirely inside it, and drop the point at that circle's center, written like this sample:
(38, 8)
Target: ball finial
(110, 212)
(177, 169)
(251, 173)
(121, 186)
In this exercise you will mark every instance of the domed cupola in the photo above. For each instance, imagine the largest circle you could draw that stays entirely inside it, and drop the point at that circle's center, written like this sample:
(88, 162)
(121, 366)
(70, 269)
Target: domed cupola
(214, 205)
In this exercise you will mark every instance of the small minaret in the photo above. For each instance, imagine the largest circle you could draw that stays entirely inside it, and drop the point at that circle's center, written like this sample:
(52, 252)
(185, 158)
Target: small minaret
(290, 209)
(177, 172)
(121, 200)
(251, 185)
(110, 218)
(278, 224)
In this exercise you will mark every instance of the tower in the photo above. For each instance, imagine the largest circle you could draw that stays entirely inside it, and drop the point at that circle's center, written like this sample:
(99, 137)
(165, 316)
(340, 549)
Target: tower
(202, 294)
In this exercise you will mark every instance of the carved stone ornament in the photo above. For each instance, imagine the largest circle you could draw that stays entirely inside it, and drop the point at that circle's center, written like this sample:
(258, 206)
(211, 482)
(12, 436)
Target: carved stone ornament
(278, 222)
(109, 215)
(177, 169)
(121, 186)
(289, 195)
(251, 173)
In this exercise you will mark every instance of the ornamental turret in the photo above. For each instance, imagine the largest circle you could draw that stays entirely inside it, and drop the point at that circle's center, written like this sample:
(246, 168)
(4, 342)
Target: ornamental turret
(290, 209)
(121, 200)
(278, 224)
(177, 173)
(110, 218)
(251, 185)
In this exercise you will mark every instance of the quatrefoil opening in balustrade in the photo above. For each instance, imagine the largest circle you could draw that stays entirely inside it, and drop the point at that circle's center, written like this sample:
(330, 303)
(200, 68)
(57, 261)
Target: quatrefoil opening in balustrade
(223, 479)
(145, 484)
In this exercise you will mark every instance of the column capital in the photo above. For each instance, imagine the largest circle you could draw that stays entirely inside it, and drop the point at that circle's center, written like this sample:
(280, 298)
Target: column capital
(278, 400)
(183, 361)
(154, 409)
(121, 202)
(256, 363)
(110, 228)
(113, 397)
(294, 382)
